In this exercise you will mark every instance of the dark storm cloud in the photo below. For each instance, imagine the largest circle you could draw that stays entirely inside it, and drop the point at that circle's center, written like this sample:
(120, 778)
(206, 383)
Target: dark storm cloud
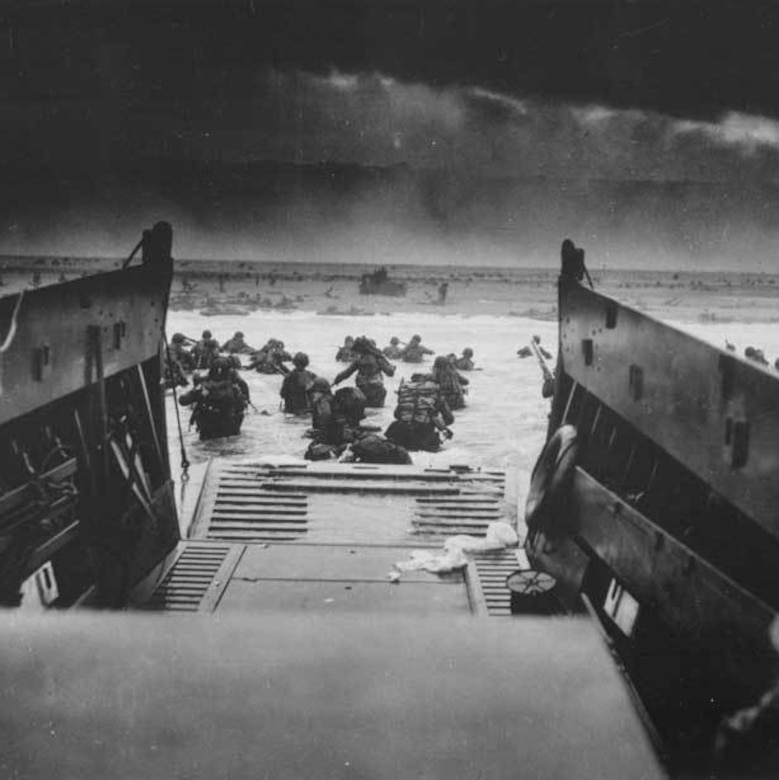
(374, 119)
(392, 130)
(423, 81)
(695, 59)
(364, 165)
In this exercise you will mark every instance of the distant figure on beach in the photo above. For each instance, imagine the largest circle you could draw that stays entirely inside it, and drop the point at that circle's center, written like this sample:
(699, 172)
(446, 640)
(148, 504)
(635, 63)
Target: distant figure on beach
(730, 347)
(443, 289)
(465, 363)
(415, 350)
(394, 351)
(187, 285)
(369, 364)
(345, 353)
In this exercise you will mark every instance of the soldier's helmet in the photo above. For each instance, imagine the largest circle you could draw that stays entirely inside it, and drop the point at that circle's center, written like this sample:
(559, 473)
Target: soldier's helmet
(300, 360)
(220, 368)
(207, 334)
(319, 385)
(361, 344)
(178, 338)
(467, 352)
(441, 362)
(238, 334)
(416, 338)
(394, 340)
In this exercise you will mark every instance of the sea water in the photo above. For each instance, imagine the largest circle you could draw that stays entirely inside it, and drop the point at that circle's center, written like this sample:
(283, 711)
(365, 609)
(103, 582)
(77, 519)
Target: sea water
(503, 426)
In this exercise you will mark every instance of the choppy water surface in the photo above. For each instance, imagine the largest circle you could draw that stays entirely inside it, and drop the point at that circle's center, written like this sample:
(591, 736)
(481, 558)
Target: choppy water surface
(503, 426)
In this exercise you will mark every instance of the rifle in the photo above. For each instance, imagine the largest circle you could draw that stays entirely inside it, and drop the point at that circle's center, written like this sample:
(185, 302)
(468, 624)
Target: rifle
(545, 370)
(548, 387)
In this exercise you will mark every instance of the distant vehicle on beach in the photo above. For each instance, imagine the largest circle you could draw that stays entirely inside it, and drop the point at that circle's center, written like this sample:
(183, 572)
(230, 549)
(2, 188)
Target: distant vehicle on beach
(379, 283)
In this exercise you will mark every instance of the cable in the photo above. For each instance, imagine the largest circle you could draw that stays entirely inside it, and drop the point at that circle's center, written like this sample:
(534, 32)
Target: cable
(132, 254)
(184, 461)
(587, 274)
(14, 318)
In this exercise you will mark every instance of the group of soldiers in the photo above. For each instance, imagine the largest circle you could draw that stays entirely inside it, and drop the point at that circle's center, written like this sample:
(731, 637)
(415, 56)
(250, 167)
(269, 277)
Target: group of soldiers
(220, 398)
(186, 355)
(423, 413)
(754, 354)
(411, 352)
(422, 417)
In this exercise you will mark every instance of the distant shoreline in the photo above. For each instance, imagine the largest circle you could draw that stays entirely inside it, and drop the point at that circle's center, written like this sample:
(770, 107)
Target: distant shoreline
(332, 289)
(281, 268)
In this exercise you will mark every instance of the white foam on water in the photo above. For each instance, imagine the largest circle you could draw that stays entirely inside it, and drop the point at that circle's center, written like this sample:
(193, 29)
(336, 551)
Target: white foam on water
(503, 427)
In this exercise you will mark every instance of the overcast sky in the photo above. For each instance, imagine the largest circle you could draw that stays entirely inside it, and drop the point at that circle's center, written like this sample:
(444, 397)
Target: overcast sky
(612, 89)
(579, 90)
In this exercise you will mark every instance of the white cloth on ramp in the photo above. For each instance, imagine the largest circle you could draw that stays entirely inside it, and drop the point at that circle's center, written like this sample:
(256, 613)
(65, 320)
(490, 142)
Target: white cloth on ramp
(453, 556)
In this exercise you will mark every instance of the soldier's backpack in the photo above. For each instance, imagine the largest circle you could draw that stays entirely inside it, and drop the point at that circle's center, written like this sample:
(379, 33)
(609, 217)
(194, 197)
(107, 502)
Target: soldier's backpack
(223, 396)
(376, 449)
(417, 402)
(349, 402)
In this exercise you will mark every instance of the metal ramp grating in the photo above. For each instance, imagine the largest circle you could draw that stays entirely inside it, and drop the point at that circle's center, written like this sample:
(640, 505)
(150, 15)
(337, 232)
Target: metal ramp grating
(345, 503)
(196, 579)
(463, 514)
(491, 571)
(244, 510)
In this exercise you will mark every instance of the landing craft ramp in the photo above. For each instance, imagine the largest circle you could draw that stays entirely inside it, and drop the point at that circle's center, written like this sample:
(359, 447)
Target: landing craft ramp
(318, 665)
(324, 537)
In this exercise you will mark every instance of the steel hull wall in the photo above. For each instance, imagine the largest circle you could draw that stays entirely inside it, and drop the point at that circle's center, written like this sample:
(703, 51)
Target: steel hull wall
(68, 333)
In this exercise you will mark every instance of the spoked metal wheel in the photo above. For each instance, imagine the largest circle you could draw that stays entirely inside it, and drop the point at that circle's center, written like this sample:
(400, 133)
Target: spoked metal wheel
(532, 592)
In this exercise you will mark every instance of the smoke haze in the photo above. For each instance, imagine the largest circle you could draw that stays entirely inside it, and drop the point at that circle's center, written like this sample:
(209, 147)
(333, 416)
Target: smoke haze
(365, 168)
(391, 133)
